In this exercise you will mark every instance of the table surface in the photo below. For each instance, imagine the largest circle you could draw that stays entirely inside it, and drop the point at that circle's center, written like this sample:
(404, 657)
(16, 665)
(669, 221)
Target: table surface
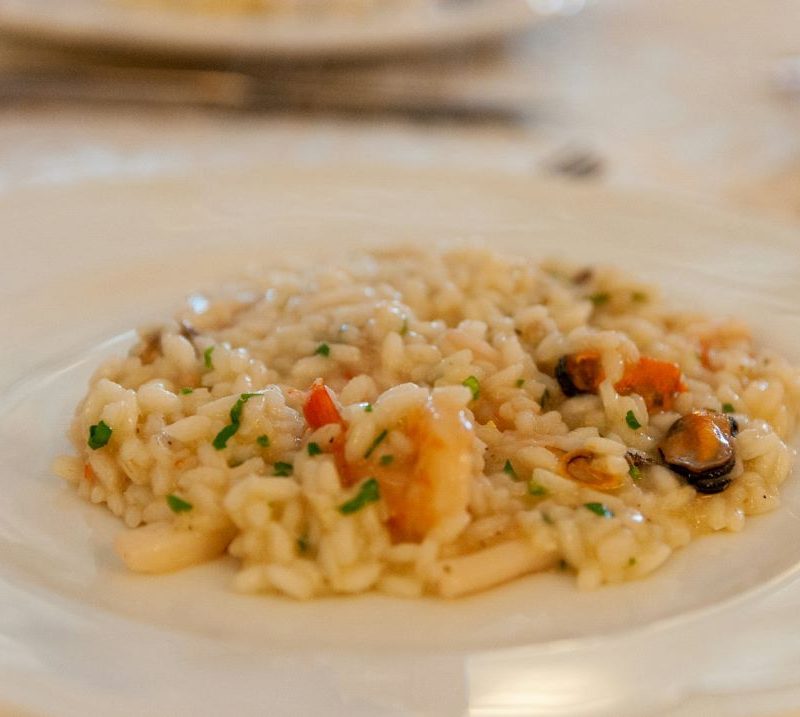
(675, 96)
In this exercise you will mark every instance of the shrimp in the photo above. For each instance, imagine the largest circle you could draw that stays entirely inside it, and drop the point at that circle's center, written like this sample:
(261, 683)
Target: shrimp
(435, 483)
(432, 484)
(320, 409)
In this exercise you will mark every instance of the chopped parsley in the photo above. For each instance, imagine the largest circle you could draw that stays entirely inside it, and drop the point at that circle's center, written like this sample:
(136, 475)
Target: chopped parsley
(378, 440)
(368, 408)
(282, 470)
(323, 350)
(302, 543)
(639, 297)
(387, 460)
(562, 564)
(536, 489)
(236, 411)
(186, 391)
(545, 399)
(630, 419)
(221, 439)
(404, 327)
(369, 492)
(728, 408)
(207, 358)
(547, 519)
(631, 561)
(178, 505)
(263, 440)
(635, 473)
(508, 469)
(473, 385)
(313, 449)
(601, 298)
(99, 435)
(599, 509)
(520, 382)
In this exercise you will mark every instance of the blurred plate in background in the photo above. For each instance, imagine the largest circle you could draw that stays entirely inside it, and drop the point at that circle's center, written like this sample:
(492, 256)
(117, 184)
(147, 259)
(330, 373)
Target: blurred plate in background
(146, 26)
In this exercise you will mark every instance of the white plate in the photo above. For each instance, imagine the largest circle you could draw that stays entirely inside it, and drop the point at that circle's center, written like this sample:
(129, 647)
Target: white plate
(401, 26)
(80, 636)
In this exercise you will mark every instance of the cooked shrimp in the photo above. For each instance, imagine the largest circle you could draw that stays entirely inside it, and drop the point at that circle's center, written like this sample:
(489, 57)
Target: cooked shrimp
(435, 483)
(320, 409)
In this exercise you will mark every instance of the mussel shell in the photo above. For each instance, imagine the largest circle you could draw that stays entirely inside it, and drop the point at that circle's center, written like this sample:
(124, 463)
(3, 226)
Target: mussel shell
(709, 474)
(709, 486)
(711, 477)
(564, 379)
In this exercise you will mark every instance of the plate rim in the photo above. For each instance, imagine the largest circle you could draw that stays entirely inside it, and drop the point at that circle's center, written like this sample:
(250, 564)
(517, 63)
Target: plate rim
(717, 213)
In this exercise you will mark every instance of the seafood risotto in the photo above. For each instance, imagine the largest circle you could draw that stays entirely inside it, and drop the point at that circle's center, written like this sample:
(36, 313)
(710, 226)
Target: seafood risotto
(419, 422)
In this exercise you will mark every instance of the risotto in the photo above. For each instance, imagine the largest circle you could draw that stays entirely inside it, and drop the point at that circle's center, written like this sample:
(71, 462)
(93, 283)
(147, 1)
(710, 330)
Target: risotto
(423, 422)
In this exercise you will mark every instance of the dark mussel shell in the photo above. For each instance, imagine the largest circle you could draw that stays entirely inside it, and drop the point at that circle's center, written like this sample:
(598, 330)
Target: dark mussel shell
(579, 373)
(699, 446)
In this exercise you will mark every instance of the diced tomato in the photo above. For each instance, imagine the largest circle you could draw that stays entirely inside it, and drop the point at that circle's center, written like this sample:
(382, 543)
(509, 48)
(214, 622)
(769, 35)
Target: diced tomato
(655, 381)
(320, 408)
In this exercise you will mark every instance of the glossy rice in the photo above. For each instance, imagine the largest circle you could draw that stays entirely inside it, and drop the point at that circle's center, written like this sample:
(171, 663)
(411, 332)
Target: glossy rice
(440, 468)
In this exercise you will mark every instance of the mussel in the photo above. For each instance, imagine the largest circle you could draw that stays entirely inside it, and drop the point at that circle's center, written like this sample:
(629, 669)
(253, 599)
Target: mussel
(579, 466)
(699, 446)
(579, 373)
(658, 382)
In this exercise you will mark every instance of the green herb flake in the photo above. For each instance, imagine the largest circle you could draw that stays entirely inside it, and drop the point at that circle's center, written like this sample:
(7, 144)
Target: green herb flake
(221, 439)
(728, 408)
(536, 489)
(323, 350)
(236, 411)
(544, 400)
(562, 564)
(601, 298)
(404, 327)
(282, 470)
(186, 391)
(369, 492)
(547, 519)
(635, 473)
(508, 469)
(378, 440)
(630, 419)
(263, 440)
(387, 460)
(639, 297)
(631, 561)
(368, 408)
(99, 435)
(599, 509)
(302, 544)
(207, 358)
(313, 449)
(473, 385)
(520, 382)
(178, 505)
